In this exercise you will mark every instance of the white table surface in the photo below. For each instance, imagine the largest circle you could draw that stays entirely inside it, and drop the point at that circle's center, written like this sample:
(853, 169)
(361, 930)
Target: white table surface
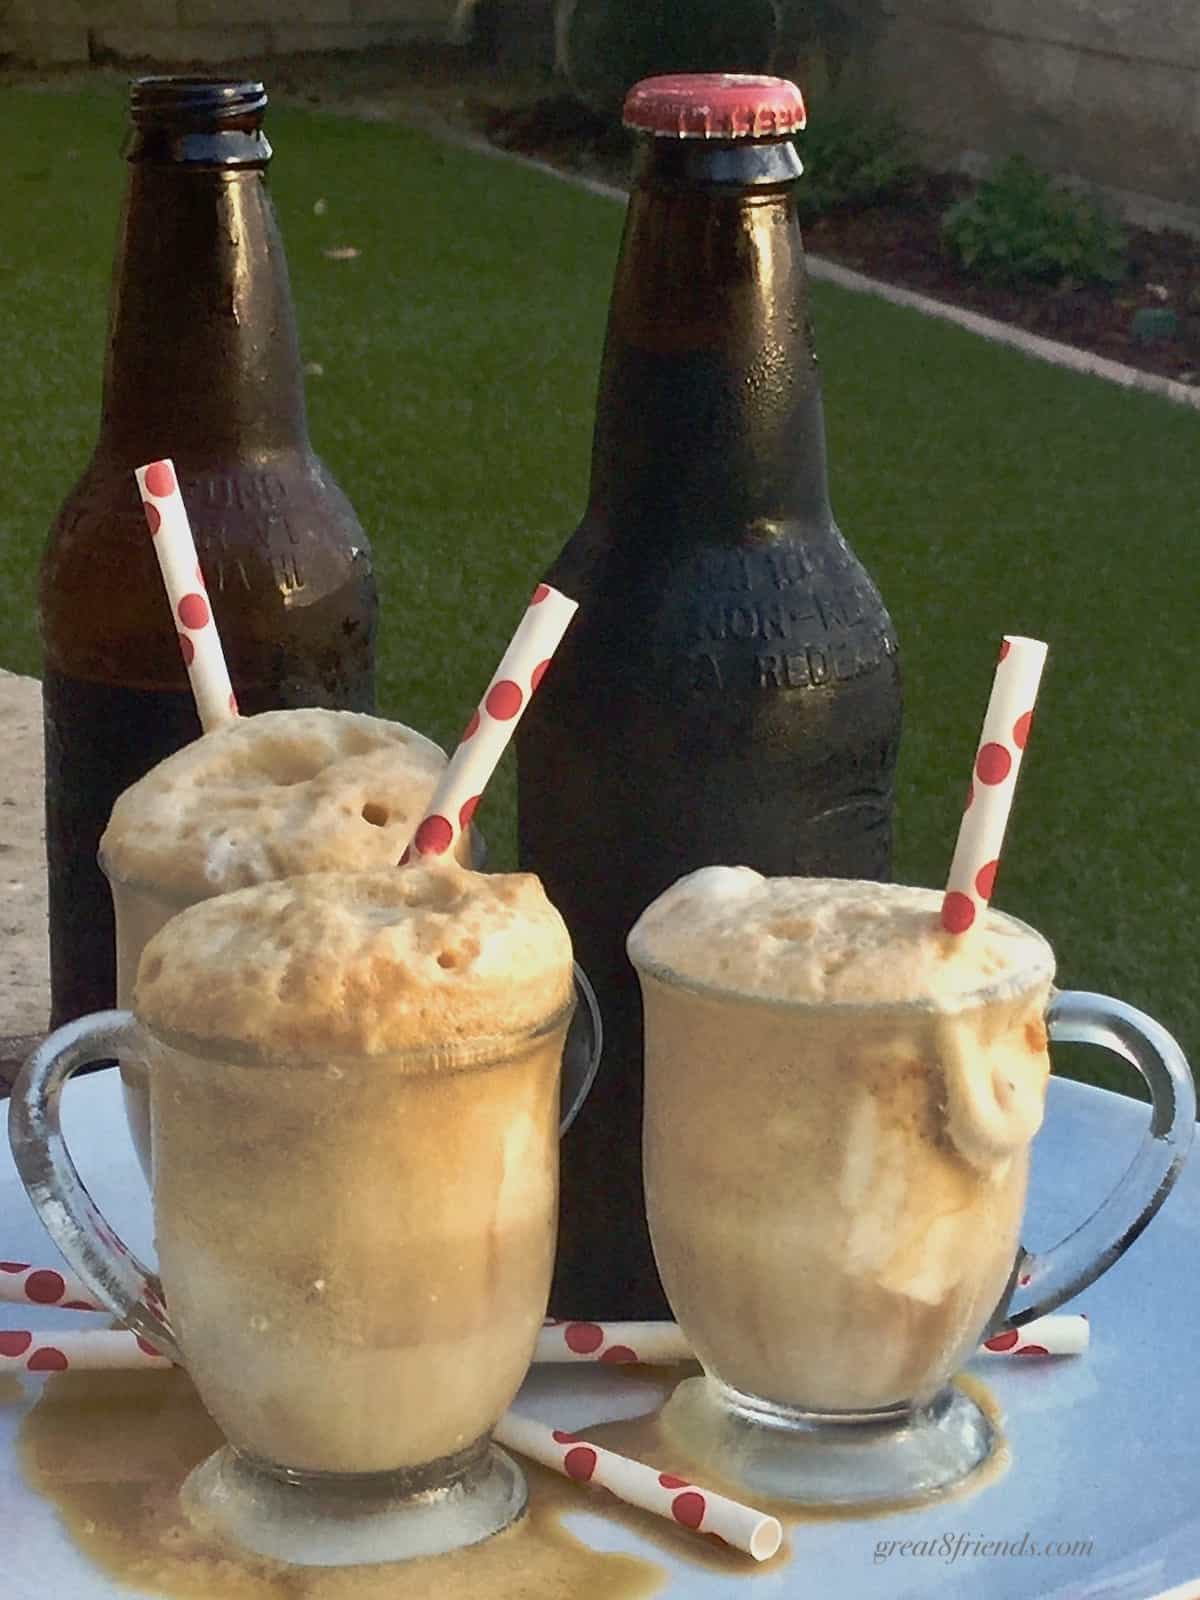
(1106, 1447)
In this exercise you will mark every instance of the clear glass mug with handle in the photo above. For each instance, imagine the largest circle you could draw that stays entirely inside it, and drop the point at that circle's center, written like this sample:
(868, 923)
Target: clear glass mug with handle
(285, 792)
(355, 1251)
(836, 1185)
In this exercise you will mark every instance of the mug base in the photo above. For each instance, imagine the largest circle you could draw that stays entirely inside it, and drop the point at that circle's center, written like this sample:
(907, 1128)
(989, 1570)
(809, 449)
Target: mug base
(335, 1520)
(867, 1460)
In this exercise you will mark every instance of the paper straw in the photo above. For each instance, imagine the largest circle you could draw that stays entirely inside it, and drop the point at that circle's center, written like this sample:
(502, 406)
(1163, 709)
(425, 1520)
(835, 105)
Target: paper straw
(199, 644)
(1063, 1334)
(24, 1285)
(990, 795)
(667, 1496)
(67, 1350)
(613, 1343)
(664, 1343)
(486, 736)
(559, 1343)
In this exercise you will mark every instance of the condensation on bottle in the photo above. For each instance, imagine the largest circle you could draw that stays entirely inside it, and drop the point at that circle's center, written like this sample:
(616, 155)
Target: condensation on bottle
(730, 689)
(202, 365)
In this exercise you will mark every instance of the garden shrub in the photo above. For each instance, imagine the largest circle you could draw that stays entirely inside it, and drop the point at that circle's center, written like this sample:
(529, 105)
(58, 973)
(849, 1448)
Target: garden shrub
(1019, 226)
(853, 156)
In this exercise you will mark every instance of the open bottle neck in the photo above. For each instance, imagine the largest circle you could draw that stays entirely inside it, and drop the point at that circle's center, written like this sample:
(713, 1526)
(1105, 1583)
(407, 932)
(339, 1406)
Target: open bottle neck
(203, 359)
(213, 122)
(710, 405)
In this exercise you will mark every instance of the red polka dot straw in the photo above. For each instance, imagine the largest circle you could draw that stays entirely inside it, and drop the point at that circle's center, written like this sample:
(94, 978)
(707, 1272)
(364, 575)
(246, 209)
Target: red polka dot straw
(687, 1505)
(584, 1338)
(199, 644)
(491, 725)
(1062, 1333)
(1002, 1343)
(1002, 741)
(620, 1355)
(23, 1284)
(70, 1349)
(664, 1344)
(613, 1343)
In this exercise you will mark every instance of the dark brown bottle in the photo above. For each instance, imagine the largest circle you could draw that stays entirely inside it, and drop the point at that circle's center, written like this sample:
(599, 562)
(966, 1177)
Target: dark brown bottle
(729, 691)
(202, 365)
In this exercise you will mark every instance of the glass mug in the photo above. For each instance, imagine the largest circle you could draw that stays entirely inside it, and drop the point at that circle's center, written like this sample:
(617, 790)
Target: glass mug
(355, 1256)
(266, 796)
(835, 1191)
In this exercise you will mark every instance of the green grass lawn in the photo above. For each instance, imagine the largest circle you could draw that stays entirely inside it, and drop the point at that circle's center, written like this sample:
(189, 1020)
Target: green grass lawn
(986, 492)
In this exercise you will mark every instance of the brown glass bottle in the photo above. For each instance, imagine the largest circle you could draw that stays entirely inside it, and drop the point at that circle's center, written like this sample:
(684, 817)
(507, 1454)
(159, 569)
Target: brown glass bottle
(729, 691)
(202, 365)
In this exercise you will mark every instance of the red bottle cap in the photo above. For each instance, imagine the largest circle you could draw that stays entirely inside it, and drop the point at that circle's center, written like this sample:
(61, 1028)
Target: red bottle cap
(715, 105)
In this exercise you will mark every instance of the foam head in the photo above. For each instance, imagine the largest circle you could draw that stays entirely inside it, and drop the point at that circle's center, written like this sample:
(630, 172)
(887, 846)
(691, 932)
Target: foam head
(270, 796)
(829, 940)
(419, 958)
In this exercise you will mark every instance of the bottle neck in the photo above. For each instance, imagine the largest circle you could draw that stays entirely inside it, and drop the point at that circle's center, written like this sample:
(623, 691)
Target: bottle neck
(710, 404)
(203, 359)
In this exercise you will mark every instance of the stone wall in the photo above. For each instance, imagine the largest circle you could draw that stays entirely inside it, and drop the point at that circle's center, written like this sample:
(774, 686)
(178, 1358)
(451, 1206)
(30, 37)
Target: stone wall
(1106, 91)
(210, 30)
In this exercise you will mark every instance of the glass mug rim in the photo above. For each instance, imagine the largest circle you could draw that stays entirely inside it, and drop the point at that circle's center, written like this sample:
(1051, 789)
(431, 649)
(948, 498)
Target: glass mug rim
(472, 1053)
(156, 891)
(181, 900)
(1010, 986)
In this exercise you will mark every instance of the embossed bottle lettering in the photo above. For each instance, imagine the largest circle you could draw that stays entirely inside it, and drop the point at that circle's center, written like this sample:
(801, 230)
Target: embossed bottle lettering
(729, 691)
(203, 365)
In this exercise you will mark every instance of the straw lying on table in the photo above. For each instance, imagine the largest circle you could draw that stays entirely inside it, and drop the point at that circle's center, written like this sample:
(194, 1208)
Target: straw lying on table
(612, 1343)
(663, 1343)
(66, 1350)
(22, 1284)
(606, 1343)
(1061, 1333)
(666, 1495)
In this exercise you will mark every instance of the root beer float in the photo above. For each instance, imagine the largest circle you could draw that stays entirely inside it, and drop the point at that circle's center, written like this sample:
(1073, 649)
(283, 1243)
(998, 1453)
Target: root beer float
(856, 1071)
(378, 1308)
(258, 798)
(355, 1116)
(889, 1079)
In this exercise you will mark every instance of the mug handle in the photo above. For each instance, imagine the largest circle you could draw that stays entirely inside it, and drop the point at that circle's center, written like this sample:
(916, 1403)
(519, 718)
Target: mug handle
(70, 1216)
(1044, 1281)
(581, 1053)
